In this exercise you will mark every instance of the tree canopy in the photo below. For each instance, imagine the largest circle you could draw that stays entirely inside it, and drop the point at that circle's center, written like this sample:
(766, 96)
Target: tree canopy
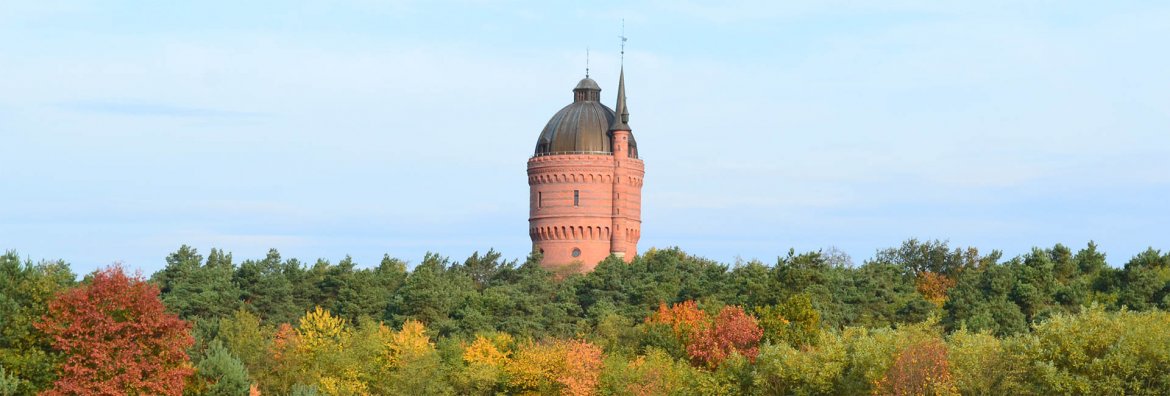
(920, 318)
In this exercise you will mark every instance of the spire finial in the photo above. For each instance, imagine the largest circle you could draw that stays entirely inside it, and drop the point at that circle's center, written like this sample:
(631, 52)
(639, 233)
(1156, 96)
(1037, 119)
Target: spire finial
(623, 37)
(586, 62)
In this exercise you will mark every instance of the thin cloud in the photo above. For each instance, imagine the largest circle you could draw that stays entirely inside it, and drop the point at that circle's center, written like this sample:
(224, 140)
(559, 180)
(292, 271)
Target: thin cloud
(146, 109)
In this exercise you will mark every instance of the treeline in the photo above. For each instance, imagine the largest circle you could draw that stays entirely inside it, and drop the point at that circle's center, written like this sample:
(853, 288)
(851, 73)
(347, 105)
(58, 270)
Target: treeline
(921, 318)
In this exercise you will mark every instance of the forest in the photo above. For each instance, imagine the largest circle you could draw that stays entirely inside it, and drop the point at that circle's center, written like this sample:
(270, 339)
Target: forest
(922, 318)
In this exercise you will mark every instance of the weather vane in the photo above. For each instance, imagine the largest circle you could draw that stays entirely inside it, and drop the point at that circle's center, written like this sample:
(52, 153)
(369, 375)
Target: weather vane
(624, 38)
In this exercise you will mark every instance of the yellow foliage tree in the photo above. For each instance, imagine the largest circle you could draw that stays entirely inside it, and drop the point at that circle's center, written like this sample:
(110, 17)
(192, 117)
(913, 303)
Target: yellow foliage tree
(321, 332)
(489, 351)
(318, 352)
(408, 344)
(565, 367)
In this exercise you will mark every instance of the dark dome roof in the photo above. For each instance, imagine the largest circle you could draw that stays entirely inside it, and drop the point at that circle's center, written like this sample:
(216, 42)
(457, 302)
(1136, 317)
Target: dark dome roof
(588, 83)
(581, 127)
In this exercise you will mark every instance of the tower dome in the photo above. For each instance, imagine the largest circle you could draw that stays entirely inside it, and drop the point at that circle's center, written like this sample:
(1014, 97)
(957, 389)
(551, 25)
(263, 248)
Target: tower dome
(582, 127)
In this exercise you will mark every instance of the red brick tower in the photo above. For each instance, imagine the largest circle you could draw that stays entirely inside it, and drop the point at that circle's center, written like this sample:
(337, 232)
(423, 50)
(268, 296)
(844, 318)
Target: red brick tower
(585, 183)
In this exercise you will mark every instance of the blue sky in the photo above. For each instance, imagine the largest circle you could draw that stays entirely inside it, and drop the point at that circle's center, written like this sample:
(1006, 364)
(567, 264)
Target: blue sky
(364, 127)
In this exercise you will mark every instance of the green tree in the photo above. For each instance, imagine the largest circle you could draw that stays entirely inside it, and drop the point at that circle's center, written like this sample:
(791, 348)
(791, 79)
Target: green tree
(224, 373)
(266, 290)
(528, 302)
(982, 300)
(196, 290)
(484, 269)
(25, 291)
(367, 292)
(432, 295)
(1146, 281)
(935, 256)
(1035, 284)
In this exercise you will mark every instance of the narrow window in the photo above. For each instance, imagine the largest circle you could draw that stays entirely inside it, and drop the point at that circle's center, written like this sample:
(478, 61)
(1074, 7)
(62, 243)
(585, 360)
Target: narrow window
(539, 199)
(576, 197)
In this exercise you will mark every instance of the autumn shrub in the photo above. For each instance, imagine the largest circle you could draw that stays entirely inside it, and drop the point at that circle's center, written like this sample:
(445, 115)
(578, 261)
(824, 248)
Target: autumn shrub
(920, 369)
(565, 367)
(731, 332)
(871, 352)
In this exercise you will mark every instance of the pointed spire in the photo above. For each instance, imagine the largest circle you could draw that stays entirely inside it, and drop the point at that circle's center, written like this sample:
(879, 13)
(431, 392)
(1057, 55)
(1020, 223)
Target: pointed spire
(623, 114)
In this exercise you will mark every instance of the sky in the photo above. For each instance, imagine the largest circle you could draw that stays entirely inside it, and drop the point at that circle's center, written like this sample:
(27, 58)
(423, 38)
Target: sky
(363, 128)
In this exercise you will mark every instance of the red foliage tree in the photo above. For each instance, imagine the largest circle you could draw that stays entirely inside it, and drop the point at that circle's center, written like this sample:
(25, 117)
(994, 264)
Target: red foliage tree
(920, 369)
(732, 331)
(117, 339)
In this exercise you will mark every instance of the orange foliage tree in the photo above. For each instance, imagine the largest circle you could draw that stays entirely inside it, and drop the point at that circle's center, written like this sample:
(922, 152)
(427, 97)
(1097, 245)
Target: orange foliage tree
(676, 323)
(564, 367)
(681, 317)
(732, 331)
(117, 338)
(933, 286)
(920, 369)
(582, 368)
